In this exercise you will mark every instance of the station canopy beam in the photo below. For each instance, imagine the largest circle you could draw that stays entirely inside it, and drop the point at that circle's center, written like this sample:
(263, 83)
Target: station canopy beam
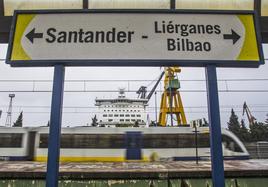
(7, 7)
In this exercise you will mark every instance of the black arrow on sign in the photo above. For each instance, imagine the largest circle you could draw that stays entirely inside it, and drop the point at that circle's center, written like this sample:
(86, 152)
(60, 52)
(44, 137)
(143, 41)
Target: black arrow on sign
(32, 35)
(234, 36)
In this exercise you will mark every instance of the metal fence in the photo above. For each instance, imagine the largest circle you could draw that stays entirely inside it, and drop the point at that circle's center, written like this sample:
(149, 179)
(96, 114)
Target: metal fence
(257, 150)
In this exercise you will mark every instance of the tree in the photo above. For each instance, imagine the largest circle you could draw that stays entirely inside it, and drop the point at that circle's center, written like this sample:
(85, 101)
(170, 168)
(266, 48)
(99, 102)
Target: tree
(94, 121)
(136, 124)
(205, 122)
(244, 133)
(266, 121)
(259, 131)
(18, 122)
(233, 124)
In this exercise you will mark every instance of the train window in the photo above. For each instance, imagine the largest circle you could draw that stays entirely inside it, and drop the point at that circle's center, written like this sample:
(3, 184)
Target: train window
(117, 141)
(230, 144)
(11, 140)
(185, 141)
(68, 140)
(43, 141)
(174, 140)
(87, 141)
(159, 140)
(203, 140)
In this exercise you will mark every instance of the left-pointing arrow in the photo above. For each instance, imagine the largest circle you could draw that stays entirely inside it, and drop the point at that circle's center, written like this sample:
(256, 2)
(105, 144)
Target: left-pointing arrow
(32, 35)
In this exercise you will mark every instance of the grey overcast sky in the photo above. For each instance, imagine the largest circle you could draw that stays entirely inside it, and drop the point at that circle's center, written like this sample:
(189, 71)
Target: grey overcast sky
(79, 106)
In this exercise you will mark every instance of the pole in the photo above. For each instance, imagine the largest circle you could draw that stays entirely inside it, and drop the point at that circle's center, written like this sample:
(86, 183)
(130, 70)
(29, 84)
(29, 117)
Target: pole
(55, 127)
(214, 127)
(155, 105)
(170, 98)
(85, 4)
(257, 7)
(172, 4)
(172, 7)
(11, 111)
(196, 145)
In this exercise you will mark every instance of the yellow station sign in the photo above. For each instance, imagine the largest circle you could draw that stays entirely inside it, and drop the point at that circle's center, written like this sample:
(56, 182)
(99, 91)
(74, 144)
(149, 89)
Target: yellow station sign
(135, 38)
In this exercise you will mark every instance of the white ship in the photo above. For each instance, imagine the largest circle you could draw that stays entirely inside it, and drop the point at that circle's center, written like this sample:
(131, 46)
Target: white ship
(121, 111)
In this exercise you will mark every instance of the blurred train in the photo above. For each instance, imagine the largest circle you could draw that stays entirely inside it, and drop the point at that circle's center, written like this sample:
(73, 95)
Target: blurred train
(116, 144)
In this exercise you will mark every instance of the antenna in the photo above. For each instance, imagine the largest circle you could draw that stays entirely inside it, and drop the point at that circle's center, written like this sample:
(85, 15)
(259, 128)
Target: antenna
(9, 112)
(122, 93)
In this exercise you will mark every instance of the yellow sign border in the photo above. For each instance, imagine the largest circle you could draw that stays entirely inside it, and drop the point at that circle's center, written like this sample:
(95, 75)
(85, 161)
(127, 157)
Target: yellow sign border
(18, 52)
(249, 56)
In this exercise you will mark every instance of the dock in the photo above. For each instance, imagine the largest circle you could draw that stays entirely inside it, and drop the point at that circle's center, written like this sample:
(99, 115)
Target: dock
(133, 170)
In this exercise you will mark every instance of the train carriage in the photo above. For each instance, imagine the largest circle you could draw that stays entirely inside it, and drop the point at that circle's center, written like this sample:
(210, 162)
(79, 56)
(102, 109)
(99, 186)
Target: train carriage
(14, 143)
(118, 144)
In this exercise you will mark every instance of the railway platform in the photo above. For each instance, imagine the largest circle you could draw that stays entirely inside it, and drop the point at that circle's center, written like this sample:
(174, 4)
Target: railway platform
(133, 170)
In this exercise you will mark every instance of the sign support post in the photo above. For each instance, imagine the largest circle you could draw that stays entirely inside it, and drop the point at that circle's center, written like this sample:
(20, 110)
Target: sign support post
(214, 127)
(55, 127)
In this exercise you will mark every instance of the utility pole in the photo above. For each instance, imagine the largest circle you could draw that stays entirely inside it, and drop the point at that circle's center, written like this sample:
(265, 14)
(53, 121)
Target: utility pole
(155, 105)
(196, 144)
(9, 112)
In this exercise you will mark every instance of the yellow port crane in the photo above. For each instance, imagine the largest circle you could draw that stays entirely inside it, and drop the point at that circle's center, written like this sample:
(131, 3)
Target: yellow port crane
(251, 118)
(171, 103)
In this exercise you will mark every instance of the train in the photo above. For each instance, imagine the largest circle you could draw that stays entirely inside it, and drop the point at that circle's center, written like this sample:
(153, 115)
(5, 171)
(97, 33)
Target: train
(117, 144)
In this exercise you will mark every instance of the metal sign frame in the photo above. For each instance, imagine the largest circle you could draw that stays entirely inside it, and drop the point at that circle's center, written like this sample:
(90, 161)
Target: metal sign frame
(135, 62)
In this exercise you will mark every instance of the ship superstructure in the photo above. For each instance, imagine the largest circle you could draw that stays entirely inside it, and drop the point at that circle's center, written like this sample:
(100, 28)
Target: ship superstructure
(121, 111)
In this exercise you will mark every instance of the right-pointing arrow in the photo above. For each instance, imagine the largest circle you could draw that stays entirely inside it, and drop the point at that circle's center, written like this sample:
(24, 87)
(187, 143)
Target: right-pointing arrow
(32, 35)
(234, 36)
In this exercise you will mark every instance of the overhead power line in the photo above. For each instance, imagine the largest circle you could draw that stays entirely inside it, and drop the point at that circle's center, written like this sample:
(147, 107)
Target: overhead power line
(115, 91)
(150, 112)
(148, 107)
(126, 80)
